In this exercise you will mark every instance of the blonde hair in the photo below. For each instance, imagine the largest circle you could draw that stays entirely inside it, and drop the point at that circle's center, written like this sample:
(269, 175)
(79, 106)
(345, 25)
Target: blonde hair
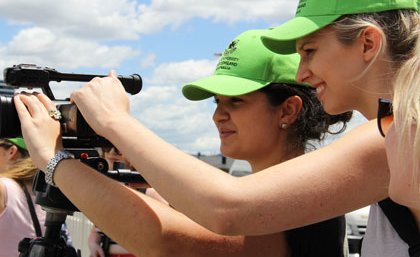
(406, 107)
(400, 37)
(22, 170)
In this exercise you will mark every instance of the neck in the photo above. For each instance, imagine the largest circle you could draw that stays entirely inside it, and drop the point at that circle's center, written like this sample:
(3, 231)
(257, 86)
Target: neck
(368, 105)
(262, 163)
(376, 84)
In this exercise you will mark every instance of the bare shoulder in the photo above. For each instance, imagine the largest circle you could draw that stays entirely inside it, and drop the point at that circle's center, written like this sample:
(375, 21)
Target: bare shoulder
(2, 196)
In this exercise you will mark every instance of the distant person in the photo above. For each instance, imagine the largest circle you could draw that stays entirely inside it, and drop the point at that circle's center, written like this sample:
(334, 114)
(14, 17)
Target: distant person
(20, 217)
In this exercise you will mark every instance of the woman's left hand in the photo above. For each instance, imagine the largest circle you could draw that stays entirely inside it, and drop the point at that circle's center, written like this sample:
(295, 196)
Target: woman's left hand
(40, 131)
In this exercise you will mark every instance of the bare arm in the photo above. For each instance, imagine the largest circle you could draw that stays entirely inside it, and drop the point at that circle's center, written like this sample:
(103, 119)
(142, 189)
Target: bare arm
(346, 175)
(148, 227)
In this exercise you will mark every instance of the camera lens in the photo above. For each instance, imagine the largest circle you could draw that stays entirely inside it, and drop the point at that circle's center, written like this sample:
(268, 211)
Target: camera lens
(9, 119)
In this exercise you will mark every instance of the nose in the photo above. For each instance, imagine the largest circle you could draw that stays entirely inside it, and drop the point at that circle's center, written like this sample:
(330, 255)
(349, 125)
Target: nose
(220, 114)
(303, 73)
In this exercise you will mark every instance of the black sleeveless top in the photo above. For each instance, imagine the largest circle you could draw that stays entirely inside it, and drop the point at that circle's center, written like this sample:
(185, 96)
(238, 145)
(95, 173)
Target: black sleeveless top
(324, 239)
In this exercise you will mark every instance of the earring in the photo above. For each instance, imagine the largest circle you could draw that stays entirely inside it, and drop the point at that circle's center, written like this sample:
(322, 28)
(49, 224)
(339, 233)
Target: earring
(283, 125)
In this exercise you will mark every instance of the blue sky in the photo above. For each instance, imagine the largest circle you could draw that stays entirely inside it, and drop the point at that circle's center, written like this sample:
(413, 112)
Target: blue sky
(168, 42)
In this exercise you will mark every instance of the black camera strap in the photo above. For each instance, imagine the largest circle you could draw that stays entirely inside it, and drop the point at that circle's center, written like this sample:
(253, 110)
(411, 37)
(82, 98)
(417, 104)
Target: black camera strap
(31, 206)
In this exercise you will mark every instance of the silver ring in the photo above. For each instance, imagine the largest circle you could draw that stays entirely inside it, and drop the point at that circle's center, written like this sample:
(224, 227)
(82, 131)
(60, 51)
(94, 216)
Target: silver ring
(55, 114)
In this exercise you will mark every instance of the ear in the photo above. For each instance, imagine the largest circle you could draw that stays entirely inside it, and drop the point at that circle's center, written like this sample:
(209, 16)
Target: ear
(371, 38)
(12, 153)
(290, 110)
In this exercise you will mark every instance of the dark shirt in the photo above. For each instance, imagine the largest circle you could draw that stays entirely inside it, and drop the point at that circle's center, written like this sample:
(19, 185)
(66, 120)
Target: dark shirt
(324, 239)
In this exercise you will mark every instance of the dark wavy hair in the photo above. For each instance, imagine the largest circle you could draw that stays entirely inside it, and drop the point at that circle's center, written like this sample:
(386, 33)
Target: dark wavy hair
(312, 123)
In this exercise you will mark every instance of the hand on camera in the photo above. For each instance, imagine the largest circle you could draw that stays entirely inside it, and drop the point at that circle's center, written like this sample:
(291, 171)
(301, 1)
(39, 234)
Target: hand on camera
(39, 129)
(101, 102)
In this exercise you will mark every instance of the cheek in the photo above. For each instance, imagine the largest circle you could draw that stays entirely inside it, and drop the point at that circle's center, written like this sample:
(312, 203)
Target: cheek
(391, 153)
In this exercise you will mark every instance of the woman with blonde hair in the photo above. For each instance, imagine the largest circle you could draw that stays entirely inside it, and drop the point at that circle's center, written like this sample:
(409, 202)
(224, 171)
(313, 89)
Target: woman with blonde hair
(19, 216)
(403, 138)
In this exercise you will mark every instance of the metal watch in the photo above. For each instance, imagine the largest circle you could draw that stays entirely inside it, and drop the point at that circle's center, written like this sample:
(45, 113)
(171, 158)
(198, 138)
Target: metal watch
(52, 164)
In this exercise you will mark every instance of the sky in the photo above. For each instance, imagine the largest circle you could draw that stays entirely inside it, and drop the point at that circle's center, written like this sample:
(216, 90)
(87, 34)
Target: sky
(167, 42)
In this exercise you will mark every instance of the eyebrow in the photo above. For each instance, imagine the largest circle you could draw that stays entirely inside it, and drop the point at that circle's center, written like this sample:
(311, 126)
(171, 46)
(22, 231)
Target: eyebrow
(308, 41)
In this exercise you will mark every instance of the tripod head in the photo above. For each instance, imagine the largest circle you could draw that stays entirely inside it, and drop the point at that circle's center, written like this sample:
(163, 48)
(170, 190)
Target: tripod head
(57, 206)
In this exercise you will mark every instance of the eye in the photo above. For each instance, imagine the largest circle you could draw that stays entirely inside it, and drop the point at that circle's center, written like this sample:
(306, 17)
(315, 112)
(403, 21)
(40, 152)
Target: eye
(236, 100)
(308, 51)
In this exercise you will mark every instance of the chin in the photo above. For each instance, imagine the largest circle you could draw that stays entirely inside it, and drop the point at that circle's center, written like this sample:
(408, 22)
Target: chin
(334, 108)
(228, 152)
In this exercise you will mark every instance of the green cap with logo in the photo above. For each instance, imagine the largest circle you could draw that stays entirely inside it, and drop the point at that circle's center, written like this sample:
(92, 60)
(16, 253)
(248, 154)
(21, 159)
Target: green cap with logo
(245, 66)
(18, 141)
(312, 15)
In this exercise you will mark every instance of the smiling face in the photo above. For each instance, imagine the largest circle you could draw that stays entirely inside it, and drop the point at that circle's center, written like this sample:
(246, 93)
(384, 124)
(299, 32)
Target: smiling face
(248, 126)
(334, 69)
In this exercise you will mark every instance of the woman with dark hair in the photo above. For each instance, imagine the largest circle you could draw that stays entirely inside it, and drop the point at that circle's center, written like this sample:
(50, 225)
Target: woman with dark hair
(263, 117)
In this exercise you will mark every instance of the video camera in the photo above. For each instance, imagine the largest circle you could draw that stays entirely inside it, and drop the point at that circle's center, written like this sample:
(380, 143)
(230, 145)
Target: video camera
(74, 129)
(78, 138)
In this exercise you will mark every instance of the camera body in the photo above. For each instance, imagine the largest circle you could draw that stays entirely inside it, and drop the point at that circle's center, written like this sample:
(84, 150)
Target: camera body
(74, 129)
(78, 138)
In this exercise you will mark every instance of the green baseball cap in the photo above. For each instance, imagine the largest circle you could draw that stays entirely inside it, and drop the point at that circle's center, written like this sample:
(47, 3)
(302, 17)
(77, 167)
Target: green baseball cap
(312, 15)
(18, 141)
(245, 66)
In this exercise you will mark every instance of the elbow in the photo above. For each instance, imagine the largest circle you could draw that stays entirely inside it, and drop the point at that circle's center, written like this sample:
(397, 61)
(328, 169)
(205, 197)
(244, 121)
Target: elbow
(225, 218)
(223, 226)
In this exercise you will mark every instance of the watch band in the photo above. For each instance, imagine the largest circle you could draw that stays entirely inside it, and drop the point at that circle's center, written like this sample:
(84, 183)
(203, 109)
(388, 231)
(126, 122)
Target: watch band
(52, 164)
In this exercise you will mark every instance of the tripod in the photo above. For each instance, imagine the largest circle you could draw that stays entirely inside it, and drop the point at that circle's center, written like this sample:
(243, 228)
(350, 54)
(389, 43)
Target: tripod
(52, 244)
(57, 206)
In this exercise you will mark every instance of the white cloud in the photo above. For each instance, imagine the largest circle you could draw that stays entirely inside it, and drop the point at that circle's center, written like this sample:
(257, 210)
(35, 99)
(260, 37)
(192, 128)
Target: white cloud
(174, 12)
(127, 19)
(40, 46)
(148, 60)
(182, 72)
(162, 108)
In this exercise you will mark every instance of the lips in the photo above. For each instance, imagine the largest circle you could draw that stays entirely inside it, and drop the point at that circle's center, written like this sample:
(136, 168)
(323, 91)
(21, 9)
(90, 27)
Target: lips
(320, 89)
(223, 133)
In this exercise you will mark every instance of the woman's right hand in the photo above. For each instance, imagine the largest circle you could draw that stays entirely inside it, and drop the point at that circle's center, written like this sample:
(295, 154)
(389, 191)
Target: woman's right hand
(40, 131)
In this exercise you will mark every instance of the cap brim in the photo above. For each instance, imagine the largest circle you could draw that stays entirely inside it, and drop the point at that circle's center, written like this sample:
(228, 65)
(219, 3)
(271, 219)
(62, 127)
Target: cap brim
(282, 39)
(220, 85)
